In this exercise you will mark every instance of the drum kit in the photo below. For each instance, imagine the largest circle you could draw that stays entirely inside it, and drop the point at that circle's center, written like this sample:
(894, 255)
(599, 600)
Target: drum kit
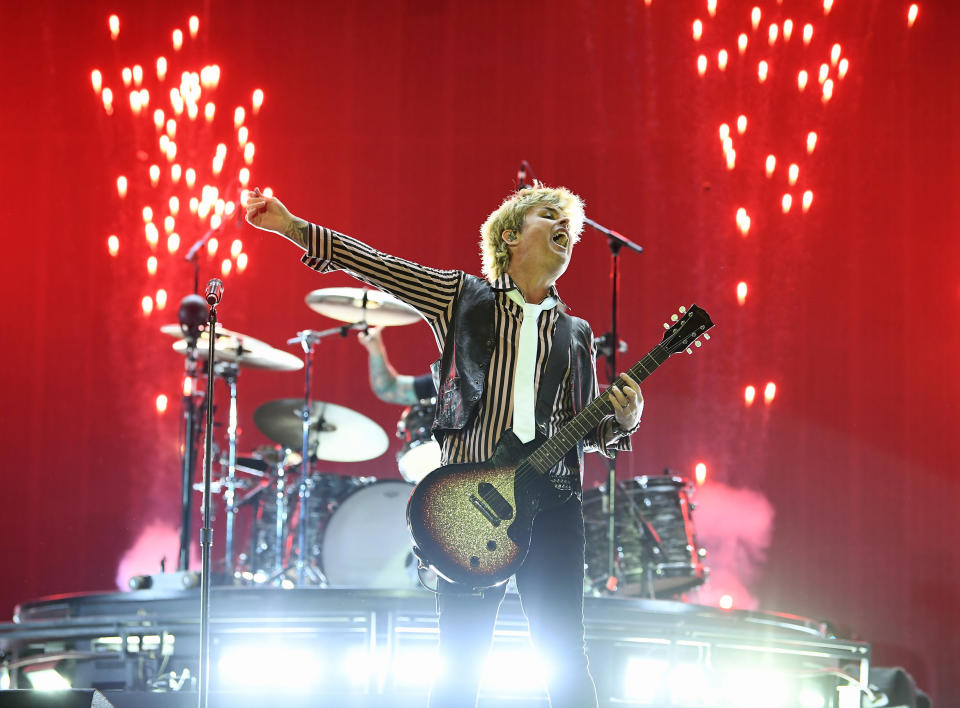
(309, 527)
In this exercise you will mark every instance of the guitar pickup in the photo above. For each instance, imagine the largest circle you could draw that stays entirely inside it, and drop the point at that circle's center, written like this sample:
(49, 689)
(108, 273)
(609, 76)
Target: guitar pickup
(495, 500)
(482, 508)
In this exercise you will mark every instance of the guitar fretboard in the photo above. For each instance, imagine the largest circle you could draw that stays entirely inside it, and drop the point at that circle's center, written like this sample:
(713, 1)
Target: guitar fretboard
(545, 457)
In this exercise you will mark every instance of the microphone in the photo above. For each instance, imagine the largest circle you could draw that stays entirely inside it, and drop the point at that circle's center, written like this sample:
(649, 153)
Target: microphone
(522, 175)
(214, 291)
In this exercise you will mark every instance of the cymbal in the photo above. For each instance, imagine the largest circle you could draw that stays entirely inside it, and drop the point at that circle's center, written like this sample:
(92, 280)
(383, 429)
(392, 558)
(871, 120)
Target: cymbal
(346, 305)
(337, 433)
(237, 348)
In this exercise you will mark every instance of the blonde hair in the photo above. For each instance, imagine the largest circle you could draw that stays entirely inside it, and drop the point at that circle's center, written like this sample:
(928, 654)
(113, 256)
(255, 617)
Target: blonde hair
(510, 216)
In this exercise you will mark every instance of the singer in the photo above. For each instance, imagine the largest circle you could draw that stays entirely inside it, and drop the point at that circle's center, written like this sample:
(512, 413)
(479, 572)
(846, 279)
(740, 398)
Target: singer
(523, 364)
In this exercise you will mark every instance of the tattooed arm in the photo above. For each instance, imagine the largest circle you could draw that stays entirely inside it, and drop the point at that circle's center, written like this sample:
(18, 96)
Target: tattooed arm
(384, 380)
(272, 215)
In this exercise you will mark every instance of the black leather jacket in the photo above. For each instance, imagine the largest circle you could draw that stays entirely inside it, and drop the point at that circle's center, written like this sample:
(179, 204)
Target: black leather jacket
(461, 373)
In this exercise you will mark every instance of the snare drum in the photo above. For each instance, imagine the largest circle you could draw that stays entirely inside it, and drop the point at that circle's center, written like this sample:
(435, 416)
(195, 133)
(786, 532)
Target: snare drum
(365, 542)
(420, 453)
(655, 536)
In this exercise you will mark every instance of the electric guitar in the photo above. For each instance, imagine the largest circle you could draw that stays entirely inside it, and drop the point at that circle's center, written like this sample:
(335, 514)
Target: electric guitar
(471, 523)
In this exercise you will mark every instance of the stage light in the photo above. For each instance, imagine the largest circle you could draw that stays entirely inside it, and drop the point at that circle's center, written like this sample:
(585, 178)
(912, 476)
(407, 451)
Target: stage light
(643, 679)
(712, 8)
(161, 68)
(193, 25)
(741, 124)
(256, 666)
(244, 196)
(912, 14)
(173, 242)
(192, 111)
(212, 246)
(194, 205)
(242, 135)
(827, 90)
(811, 142)
(724, 131)
(807, 200)
(785, 203)
(514, 671)
(137, 75)
(168, 224)
(741, 292)
(147, 215)
(802, 79)
(248, 151)
(689, 685)
(809, 698)
(772, 33)
(171, 151)
(46, 679)
(217, 165)
(722, 59)
(827, 6)
(158, 118)
(755, 16)
(135, 102)
(171, 128)
(244, 176)
(161, 299)
(236, 247)
(121, 186)
(770, 165)
(127, 75)
(769, 392)
(174, 201)
(700, 473)
(203, 209)
(152, 265)
(208, 112)
(697, 30)
(215, 221)
(154, 175)
(702, 64)
(107, 97)
(152, 234)
(177, 38)
(749, 395)
(415, 667)
(96, 78)
(226, 266)
(190, 176)
(257, 101)
(787, 30)
(727, 144)
(742, 42)
(218, 206)
(175, 173)
(793, 173)
(113, 23)
(726, 602)
(843, 67)
(241, 262)
(113, 244)
(807, 33)
(743, 221)
(762, 70)
(229, 208)
(835, 54)
(731, 159)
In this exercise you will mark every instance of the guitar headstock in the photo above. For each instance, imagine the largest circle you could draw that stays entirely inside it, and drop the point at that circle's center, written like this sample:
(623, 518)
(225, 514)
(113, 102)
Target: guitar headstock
(687, 328)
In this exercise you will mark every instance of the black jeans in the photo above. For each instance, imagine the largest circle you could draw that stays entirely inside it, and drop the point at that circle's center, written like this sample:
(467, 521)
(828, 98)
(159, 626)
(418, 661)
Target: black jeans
(550, 583)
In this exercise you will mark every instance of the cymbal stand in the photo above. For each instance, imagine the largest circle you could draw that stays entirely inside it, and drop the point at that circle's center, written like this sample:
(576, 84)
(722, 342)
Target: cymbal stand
(307, 338)
(229, 373)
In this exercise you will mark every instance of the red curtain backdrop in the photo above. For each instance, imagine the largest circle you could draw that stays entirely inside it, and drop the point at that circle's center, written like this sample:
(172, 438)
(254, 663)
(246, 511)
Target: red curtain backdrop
(403, 123)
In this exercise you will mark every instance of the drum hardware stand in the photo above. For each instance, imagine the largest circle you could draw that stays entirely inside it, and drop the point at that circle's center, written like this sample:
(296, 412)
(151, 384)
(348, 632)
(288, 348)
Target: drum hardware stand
(229, 373)
(191, 315)
(214, 293)
(609, 346)
(306, 339)
(651, 555)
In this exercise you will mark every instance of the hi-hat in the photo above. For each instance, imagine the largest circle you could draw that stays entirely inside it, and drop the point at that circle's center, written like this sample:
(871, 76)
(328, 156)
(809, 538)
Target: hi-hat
(237, 348)
(378, 309)
(337, 433)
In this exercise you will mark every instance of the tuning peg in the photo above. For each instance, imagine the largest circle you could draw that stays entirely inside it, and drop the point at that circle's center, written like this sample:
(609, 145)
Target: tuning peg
(706, 336)
(666, 326)
(689, 350)
(698, 343)
(674, 318)
(682, 309)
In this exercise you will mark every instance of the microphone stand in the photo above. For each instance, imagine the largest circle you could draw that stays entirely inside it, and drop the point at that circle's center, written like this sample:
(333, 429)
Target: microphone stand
(609, 348)
(206, 533)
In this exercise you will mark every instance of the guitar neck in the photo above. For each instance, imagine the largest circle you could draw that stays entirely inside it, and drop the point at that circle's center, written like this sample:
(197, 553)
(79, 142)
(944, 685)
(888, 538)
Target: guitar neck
(552, 451)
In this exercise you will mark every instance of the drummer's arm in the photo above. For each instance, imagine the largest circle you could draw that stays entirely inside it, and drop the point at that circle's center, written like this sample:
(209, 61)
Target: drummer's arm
(384, 379)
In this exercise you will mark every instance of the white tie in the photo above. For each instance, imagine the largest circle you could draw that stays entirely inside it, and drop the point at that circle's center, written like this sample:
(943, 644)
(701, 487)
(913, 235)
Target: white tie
(524, 421)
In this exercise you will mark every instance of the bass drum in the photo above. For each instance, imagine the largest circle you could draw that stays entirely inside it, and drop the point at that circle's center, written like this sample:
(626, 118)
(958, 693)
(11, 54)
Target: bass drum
(420, 453)
(366, 544)
(656, 545)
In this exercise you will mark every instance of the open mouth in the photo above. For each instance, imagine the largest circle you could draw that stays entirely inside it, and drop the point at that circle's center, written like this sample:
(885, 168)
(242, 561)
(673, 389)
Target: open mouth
(560, 238)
